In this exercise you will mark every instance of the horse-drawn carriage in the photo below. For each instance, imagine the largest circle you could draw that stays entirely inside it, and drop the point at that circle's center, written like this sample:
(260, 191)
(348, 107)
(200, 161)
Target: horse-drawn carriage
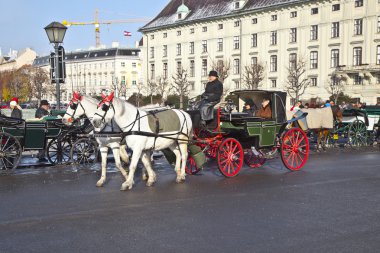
(235, 137)
(58, 141)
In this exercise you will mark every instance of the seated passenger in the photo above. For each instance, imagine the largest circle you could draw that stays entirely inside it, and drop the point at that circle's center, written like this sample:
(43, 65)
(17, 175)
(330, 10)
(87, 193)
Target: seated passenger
(265, 111)
(250, 108)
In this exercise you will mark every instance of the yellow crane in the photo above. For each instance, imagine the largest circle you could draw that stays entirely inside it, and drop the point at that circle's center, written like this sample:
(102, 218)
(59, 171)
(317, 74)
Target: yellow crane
(98, 22)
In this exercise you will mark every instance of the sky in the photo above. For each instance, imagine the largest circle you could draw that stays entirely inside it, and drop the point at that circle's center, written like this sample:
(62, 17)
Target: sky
(22, 22)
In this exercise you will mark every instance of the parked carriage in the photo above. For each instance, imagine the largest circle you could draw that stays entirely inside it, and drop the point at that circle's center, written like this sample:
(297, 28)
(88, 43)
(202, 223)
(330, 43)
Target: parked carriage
(234, 137)
(59, 142)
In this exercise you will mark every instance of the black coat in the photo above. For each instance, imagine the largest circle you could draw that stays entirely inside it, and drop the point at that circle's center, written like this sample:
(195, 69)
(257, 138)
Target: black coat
(16, 113)
(213, 91)
(41, 112)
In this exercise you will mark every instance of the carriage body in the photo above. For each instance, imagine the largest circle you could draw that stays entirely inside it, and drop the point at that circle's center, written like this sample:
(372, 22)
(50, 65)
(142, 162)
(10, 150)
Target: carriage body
(236, 137)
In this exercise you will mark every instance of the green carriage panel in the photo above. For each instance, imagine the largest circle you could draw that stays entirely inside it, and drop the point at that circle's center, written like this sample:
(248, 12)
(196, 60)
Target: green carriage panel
(34, 138)
(16, 132)
(254, 128)
(268, 134)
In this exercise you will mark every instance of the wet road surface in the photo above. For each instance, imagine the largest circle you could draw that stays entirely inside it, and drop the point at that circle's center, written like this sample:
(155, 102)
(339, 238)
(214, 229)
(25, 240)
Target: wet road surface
(333, 205)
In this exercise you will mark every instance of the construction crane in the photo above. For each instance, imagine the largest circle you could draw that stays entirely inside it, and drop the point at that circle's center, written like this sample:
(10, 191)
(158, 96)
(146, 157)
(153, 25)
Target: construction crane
(98, 22)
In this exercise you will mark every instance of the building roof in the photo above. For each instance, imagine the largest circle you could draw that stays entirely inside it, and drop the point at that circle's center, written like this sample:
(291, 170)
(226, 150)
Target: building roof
(90, 55)
(206, 9)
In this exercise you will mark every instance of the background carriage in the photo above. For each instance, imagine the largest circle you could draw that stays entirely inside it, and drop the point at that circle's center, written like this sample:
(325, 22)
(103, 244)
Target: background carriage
(234, 137)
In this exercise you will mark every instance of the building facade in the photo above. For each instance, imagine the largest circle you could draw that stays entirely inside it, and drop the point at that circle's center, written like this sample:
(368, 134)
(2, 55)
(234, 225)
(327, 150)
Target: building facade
(334, 38)
(95, 71)
(16, 59)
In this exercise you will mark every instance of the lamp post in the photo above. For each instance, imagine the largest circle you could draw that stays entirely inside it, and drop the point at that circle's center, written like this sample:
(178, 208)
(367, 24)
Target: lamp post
(56, 32)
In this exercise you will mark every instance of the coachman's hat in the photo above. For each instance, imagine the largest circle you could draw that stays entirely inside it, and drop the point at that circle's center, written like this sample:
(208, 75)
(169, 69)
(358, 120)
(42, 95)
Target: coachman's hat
(44, 102)
(213, 73)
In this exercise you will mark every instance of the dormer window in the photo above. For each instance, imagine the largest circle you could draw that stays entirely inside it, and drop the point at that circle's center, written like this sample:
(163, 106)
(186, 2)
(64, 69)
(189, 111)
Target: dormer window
(238, 4)
(182, 11)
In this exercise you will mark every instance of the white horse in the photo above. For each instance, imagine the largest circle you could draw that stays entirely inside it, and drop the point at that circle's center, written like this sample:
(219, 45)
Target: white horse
(132, 121)
(82, 105)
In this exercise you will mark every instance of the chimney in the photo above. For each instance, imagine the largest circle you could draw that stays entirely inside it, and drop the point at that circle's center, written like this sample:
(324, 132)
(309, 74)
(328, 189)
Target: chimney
(115, 44)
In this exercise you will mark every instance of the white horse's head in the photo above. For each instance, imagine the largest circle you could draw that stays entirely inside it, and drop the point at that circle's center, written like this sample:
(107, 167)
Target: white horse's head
(105, 112)
(76, 108)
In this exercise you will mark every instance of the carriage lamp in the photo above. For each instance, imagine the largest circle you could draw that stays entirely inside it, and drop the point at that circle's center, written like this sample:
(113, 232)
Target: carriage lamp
(56, 33)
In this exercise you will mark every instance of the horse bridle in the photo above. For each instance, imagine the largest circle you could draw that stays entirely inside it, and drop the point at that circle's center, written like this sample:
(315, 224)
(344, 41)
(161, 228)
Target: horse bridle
(105, 109)
(74, 106)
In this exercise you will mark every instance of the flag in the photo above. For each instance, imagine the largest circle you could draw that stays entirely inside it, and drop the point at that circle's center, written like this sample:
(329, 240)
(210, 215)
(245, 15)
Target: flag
(127, 33)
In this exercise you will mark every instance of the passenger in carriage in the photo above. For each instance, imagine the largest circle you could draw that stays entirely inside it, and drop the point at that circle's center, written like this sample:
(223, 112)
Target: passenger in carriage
(250, 108)
(211, 96)
(266, 110)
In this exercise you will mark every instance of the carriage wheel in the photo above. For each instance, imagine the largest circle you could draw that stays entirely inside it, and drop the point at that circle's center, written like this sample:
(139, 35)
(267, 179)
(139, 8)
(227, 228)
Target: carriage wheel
(191, 166)
(84, 151)
(294, 149)
(230, 157)
(357, 134)
(58, 151)
(10, 153)
(254, 160)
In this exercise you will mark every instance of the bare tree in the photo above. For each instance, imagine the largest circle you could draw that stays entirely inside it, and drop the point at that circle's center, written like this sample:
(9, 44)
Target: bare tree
(335, 87)
(119, 87)
(253, 75)
(180, 85)
(162, 86)
(223, 68)
(296, 82)
(40, 81)
(151, 87)
(139, 87)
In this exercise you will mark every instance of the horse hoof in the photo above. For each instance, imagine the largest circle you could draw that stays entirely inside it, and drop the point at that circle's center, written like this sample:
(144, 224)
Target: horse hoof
(149, 184)
(145, 177)
(99, 184)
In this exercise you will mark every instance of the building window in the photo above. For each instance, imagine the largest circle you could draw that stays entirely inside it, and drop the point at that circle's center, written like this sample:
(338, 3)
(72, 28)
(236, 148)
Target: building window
(179, 67)
(220, 26)
(292, 61)
(237, 84)
(253, 61)
(335, 30)
(178, 49)
(358, 3)
(314, 82)
(254, 21)
(191, 30)
(237, 23)
(179, 33)
(204, 67)
(293, 35)
(122, 63)
(273, 17)
(293, 14)
(335, 7)
(254, 40)
(334, 58)
(358, 26)
(313, 59)
(236, 42)
(378, 24)
(378, 79)
(165, 70)
(237, 5)
(204, 29)
(204, 46)
(314, 32)
(357, 56)
(220, 45)
(378, 55)
(273, 83)
(273, 38)
(152, 52)
(191, 47)
(165, 51)
(314, 11)
(122, 80)
(165, 35)
(236, 66)
(134, 64)
(358, 80)
(152, 71)
(134, 82)
(152, 37)
(192, 68)
(273, 63)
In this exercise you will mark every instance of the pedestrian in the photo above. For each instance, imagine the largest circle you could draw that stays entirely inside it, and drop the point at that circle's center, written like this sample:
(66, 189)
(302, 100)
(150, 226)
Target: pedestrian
(327, 104)
(16, 109)
(297, 106)
(307, 105)
(43, 110)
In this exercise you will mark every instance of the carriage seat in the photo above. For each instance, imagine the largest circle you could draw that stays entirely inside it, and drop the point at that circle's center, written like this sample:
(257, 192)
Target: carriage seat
(195, 116)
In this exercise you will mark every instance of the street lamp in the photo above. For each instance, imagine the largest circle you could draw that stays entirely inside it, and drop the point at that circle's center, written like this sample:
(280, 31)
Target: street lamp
(56, 32)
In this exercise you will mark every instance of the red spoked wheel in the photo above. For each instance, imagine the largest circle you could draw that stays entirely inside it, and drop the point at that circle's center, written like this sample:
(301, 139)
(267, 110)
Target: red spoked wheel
(230, 157)
(191, 167)
(294, 149)
(254, 160)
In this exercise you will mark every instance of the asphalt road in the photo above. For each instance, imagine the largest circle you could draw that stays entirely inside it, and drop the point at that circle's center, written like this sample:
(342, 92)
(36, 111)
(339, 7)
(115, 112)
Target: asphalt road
(333, 205)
